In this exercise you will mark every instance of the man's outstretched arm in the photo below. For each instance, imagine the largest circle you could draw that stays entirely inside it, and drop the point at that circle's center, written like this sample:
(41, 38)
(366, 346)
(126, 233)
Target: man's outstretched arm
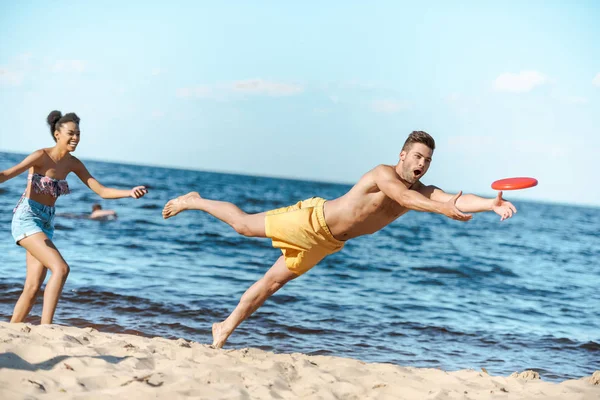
(472, 203)
(413, 200)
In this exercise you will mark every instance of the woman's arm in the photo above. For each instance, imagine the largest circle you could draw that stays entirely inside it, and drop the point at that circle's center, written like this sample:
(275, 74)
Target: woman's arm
(103, 191)
(34, 159)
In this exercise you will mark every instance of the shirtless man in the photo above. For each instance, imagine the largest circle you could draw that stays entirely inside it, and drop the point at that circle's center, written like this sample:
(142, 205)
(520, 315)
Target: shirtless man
(100, 214)
(314, 228)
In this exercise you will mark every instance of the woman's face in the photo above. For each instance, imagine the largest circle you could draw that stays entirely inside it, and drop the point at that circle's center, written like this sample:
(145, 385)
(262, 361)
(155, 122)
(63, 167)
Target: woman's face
(68, 135)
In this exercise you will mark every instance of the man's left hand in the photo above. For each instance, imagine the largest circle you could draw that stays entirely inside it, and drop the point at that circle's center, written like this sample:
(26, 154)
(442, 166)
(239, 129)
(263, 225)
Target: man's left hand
(503, 208)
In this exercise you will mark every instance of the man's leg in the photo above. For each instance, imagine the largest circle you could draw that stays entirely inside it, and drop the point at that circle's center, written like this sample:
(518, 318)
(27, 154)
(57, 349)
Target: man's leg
(252, 225)
(277, 276)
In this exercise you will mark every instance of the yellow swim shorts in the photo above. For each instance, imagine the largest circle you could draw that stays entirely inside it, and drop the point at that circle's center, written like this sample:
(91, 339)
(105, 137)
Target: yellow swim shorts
(301, 233)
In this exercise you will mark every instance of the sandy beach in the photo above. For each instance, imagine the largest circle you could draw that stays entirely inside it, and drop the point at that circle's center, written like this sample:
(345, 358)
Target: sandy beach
(67, 362)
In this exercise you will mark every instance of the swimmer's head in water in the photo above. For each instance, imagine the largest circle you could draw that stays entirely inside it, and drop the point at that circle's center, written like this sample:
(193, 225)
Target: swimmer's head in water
(64, 129)
(96, 207)
(415, 156)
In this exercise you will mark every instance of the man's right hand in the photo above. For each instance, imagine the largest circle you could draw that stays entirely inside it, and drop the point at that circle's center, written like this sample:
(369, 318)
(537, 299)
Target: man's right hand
(449, 209)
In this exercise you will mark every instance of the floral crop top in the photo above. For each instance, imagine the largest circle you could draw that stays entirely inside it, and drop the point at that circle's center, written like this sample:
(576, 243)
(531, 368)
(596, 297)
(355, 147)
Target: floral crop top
(43, 184)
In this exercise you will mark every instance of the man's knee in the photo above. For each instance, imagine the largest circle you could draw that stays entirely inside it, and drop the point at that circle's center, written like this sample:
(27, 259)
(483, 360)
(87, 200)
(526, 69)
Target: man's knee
(248, 227)
(242, 228)
(277, 282)
(275, 285)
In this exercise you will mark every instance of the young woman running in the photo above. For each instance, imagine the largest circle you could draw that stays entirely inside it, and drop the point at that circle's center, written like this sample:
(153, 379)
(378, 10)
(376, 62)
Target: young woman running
(33, 217)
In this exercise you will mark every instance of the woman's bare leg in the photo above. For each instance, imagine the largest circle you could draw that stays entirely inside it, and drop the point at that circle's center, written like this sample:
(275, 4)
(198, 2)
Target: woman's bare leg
(36, 273)
(48, 255)
(252, 225)
(277, 276)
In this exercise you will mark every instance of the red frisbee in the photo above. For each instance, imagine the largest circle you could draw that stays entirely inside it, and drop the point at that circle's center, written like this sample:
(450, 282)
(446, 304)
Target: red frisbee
(514, 183)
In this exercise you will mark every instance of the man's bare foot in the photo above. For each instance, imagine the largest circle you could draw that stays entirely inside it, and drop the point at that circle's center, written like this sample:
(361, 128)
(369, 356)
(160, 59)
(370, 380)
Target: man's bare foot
(181, 203)
(219, 337)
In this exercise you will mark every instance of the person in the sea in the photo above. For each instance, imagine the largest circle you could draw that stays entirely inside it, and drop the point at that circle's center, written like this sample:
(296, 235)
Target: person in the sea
(33, 216)
(308, 231)
(100, 214)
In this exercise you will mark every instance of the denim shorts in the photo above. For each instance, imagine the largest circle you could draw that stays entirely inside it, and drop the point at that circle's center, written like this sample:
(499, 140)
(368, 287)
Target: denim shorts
(31, 217)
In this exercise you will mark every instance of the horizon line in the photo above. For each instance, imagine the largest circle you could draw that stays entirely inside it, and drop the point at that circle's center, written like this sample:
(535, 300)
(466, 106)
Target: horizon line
(310, 180)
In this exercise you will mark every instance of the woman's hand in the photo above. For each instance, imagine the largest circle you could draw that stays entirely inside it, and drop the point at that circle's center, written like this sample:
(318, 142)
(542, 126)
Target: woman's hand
(138, 191)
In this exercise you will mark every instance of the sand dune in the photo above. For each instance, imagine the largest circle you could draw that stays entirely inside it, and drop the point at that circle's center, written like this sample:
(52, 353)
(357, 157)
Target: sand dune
(60, 362)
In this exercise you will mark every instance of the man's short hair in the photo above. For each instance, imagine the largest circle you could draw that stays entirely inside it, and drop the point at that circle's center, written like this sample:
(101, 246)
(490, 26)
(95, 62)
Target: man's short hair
(96, 207)
(419, 137)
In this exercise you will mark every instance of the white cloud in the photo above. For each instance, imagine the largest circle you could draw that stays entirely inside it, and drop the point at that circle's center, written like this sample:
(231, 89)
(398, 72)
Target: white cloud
(470, 142)
(522, 82)
(157, 71)
(69, 66)
(24, 59)
(389, 106)
(14, 73)
(269, 88)
(322, 110)
(576, 100)
(460, 103)
(11, 77)
(25, 66)
(158, 114)
(596, 80)
(361, 85)
(197, 91)
(453, 98)
(256, 87)
(334, 99)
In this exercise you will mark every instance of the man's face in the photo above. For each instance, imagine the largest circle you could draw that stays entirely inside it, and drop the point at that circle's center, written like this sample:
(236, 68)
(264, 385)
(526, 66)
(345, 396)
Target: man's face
(415, 162)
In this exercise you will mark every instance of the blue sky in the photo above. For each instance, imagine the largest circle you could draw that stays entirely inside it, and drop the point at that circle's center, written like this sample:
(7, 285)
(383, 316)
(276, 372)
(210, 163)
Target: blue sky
(312, 90)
